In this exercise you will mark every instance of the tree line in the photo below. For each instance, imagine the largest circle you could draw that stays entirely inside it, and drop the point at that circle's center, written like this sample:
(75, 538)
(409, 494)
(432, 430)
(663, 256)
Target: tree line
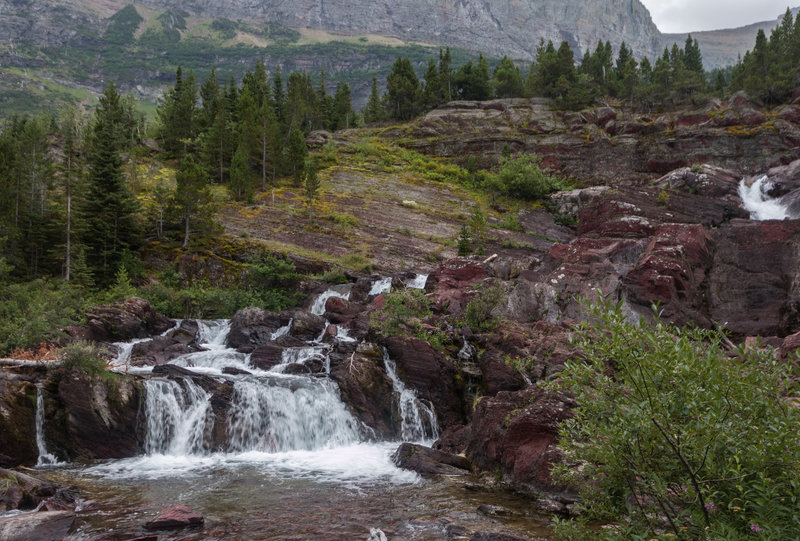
(770, 72)
(77, 204)
(674, 78)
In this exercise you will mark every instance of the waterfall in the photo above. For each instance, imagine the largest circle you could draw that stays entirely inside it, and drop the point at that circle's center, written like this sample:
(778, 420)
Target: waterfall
(45, 458)
(760, 205)
(343, 292)
(275, 418)
(418, 419)
(177, 414)
(419, 282)
(384, 285)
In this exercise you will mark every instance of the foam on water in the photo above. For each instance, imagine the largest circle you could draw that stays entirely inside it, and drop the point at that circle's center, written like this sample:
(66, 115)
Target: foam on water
(760, 205)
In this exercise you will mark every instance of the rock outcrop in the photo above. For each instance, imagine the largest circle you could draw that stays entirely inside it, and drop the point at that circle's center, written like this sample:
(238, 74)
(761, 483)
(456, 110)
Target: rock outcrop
(604, 145)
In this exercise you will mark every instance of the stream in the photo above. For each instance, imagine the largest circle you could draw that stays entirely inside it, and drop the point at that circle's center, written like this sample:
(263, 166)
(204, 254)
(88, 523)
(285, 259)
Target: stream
(295, 464)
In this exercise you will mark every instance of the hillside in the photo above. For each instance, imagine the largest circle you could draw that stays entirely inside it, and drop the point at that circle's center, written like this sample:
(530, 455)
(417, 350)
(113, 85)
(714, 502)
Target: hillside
(54, 53)
(723, 47)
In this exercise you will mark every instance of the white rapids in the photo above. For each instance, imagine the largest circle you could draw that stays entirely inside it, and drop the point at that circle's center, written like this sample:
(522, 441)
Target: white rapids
(282, 424)
(760, 205)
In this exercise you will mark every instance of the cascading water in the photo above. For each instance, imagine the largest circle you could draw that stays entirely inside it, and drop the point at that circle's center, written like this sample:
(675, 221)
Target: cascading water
(274, 418)
(343, 292)
(418, 420)
(384, 285)
(419, 282)
(176, 414)
(45, 458)
(758, 203)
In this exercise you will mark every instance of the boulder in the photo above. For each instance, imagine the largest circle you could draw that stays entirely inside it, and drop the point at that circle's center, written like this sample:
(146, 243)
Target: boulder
(42, 526)
(124, 321)
(20, 491)
(305, 325)
(187, 333)
(175, 517)
(159, 350)
(367, 390)
(426, 461)
(251, 327)
(266, 356)
(97, 417)
(517, 434)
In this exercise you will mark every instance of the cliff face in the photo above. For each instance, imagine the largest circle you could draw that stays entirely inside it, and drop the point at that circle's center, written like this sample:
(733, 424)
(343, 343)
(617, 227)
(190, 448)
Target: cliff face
(496, 27)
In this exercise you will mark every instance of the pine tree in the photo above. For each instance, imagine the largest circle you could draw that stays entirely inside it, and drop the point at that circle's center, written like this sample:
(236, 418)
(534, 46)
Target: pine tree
(433, 86)
(402, 87)
(191, 196)
(109, 209)
(372, 112)
(507, 80)
(311, 185)
(241, 182)
(296, 154)
(342, 108)
(445, 76)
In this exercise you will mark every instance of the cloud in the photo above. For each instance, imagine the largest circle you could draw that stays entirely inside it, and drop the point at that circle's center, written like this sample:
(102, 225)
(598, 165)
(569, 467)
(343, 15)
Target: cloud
(692, 15)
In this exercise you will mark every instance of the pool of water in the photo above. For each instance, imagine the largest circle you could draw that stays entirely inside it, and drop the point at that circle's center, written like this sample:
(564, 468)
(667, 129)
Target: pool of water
(334, 494)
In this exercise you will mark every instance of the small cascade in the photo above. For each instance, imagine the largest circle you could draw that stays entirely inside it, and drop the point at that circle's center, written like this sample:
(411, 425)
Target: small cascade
(283, 331)
(418, 419)
(45, 458)
(758, 203)
(301, 355)
(419, 282)
(384, 285)
(277, 418)
(176, 414)
(343, 292)
(213, 333)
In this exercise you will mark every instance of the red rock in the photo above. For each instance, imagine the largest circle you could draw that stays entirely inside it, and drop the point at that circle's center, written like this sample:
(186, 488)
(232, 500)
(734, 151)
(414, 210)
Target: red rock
(693, 119)
(379, 302)
(790, 348)
(517, 432)
(174, 517)
(790, 113)
(751, 117)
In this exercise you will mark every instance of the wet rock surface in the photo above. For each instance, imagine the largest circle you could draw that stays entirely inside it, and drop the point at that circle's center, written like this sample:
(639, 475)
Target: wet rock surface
(175, 517)
(42, 526)
(427, 461)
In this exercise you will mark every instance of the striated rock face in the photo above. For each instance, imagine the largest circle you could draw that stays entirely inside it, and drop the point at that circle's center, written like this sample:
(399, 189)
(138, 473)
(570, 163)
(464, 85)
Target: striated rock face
(510, 27)
(606, 146)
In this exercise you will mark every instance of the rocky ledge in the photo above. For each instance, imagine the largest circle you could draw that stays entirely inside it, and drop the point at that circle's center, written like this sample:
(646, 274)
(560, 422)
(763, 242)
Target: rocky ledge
(606, 144)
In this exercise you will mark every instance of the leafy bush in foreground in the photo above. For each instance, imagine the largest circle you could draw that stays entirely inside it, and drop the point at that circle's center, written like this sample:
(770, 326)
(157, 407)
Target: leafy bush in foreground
(677, 437)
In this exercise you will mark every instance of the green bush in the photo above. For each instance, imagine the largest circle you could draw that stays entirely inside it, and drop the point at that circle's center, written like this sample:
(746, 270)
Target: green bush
(83, 356)
(523, 178)
(675, 435)
(404, 311)
(36, 312)
(478, 313)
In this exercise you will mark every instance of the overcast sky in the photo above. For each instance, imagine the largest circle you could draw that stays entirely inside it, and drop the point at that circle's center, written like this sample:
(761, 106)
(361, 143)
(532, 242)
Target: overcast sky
(672, 16)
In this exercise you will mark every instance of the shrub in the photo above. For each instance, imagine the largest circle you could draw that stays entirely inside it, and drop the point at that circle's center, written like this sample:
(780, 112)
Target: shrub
(37, 311)
(523, 178)
(674, 433)
(83, 356)
(403, 311)
(478, 314)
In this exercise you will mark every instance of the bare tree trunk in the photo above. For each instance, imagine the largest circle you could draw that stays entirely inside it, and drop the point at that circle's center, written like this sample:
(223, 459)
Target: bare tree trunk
(68, 262)
(186, 233)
